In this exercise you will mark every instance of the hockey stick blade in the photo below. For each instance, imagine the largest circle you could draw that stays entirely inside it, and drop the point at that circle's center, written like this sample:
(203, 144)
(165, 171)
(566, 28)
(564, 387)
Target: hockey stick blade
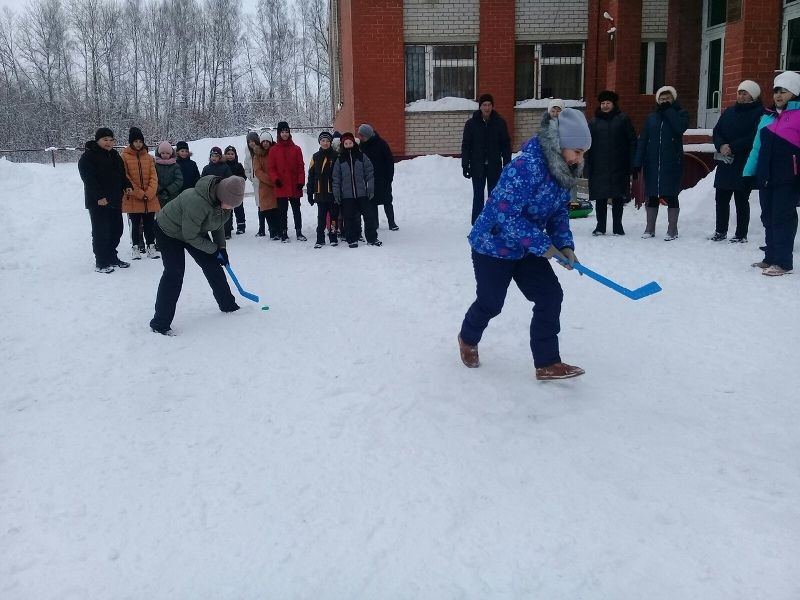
(242, 292)
(647, 289)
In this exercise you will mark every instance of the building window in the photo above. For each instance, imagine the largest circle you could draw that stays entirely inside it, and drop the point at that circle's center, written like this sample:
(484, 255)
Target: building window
(652, 67)
(434, 72)
(717, 12)
(549, 71)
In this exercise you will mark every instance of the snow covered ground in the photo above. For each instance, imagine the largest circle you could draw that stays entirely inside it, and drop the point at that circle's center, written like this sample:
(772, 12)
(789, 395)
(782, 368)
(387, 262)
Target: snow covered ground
(334, 447)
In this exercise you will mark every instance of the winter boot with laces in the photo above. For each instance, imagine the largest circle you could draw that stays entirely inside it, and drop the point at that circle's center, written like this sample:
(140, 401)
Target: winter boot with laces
(469, 354)
(558, 370)
(151, 251)
(136, 252)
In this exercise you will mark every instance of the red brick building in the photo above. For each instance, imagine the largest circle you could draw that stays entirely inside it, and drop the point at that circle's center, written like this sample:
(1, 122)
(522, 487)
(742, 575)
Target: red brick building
(392, 60)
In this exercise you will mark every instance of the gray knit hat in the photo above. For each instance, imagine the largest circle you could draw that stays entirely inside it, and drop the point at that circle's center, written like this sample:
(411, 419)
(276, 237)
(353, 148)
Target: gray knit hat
(230, 191)
(573, 130)
(366, 130)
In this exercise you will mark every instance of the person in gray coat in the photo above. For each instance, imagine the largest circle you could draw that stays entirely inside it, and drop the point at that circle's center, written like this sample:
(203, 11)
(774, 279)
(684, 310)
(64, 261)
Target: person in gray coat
(353, 190)
(184, 225)
(660, 156)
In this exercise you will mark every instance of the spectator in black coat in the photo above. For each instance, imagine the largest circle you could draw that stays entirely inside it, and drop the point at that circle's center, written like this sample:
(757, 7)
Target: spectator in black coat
(379, 153)
(485, 149)
(188, 167)
(216, 166)
(659, 155)
(104, 182)
(237, 168)
(607, 165)
(733, 138)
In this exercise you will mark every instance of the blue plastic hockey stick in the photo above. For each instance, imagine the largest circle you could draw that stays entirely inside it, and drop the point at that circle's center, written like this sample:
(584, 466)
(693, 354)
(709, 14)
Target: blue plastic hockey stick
(244, 293)
(648, 289)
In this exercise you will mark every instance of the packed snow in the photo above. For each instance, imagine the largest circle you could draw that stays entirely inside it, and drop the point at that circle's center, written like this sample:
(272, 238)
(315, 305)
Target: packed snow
(334, 446)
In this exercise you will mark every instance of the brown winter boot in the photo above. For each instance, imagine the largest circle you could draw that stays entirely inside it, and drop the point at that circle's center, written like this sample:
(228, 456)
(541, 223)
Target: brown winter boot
(558, 370)
(469, 354)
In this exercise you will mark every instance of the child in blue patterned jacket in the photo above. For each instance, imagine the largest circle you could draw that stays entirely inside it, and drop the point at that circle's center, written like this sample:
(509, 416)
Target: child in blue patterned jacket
(525, 223)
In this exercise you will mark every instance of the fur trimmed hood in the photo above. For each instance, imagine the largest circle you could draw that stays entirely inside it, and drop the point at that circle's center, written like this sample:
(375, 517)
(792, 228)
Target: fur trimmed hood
(551, 149)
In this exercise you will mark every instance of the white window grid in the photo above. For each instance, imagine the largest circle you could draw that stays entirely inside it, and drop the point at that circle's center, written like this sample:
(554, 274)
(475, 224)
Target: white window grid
(431, 63)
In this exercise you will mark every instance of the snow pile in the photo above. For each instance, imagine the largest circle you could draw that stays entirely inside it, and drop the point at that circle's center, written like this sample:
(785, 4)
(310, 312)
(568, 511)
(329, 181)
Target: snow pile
(443, 104)
(544, 102)
(335, 447)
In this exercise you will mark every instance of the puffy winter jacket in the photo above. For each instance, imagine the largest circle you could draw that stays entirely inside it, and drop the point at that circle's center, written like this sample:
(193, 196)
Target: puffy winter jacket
(140, 168)
(528, 210)
(320, 175)
(103, 175)
(190, 172)
(353, 176)
(170, 180)
(736, 127)
(380, 155)
(608, 162)
(485, 144)
(219, 168)
(194, 214)
(266, 189)
(775, 158)
(286, 165)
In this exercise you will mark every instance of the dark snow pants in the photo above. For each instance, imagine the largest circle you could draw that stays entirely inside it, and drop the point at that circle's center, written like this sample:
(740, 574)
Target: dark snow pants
(283, 211)
(538, 283)
(142, 222)
(741, 199)
(479, 182)
(240, 220)
(323, 210)
(169, 288)
(106, 233)
(601, 209)
(352, 211)
(779, 216)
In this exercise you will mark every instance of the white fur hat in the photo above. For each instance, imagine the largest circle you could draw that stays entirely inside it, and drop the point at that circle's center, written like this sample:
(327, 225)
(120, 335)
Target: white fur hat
(751, 87)
(788, 80)
(667, 88)
(556, 102)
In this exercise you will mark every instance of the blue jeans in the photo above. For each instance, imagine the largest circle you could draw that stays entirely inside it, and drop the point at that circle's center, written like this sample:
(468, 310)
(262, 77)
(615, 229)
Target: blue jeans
(538, 283)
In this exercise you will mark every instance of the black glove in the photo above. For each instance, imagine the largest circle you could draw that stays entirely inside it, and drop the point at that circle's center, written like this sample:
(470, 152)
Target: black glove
(467, 174)
(300, 187)
(635, 172)
(278, 183)
(222, 256)
(664, 105)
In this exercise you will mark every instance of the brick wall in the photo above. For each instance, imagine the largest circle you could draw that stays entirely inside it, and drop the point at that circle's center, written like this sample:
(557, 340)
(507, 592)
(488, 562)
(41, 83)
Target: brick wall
(442, 20)
(434, 132)
(526, 125)
(684, 28)
(654, 19)
(550, 19)
(496, 57)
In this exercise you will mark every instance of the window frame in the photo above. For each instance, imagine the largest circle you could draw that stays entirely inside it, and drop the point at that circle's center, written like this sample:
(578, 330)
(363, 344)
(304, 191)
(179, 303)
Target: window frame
(539, 61)
(432, 63)
(650, 62)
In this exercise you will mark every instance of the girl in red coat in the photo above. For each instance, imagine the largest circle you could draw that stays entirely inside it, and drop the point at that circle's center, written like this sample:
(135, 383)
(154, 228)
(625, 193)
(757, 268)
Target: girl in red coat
(287, 171)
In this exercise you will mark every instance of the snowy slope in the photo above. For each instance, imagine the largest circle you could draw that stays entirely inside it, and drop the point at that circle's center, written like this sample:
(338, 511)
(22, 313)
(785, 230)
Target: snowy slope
(334, 447)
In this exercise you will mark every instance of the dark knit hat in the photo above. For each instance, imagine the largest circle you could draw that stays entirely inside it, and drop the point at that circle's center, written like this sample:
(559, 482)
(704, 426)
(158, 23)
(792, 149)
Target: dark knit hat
(230, 191)
(485, 98)
(181, 146)
(608, 96)
(135, 134)
(336, 135)
(283, 125)
(103, 132)
(215, 150)
(235, 153)
(348, 135)
(366, 130)
(325, 136)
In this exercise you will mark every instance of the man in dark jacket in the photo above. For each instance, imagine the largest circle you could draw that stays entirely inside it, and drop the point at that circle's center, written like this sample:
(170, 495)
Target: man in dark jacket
(660, 156)
(733, 138)
(188, 167)
(608, 163)
(485, 149)
(379, 153)
(184, 225)
(104, 181)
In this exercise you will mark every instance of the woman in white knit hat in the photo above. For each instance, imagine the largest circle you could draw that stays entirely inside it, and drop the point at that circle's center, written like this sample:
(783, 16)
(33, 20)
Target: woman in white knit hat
(733, 139)
(774, 162)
